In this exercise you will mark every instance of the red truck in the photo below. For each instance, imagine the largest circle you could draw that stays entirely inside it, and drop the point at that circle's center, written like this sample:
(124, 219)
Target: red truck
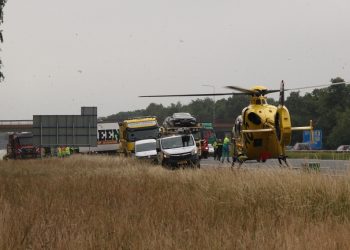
(20, 146)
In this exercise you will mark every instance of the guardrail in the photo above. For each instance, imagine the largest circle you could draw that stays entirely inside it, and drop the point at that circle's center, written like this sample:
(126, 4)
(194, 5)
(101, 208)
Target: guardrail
(318, 151)
(15, 122)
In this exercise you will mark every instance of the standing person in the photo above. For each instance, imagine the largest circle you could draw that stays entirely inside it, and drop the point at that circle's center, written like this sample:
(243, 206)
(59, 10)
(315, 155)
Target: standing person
(233, 151)
(59, 152)
(63, 152)
(215, 146)
(67, 151)
(219, 150)
(225, 149)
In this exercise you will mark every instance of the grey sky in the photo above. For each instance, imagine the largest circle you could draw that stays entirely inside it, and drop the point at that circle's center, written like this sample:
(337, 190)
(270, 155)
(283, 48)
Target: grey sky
(60, 55)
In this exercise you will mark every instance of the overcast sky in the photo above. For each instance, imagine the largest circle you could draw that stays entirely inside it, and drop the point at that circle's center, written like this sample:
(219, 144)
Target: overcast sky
(61, 55)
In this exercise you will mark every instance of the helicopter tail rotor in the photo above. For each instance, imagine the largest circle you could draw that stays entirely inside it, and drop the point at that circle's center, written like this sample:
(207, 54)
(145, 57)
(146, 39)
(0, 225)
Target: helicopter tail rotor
(282, 123)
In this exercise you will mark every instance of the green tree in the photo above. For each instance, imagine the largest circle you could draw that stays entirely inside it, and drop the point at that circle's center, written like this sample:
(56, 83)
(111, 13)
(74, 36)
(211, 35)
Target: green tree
(202, 109)
(229, 109)
(323, 106)
(340, 133)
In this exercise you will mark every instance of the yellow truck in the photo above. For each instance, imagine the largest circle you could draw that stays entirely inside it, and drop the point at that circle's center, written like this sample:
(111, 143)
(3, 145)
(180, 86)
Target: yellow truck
(135, 129)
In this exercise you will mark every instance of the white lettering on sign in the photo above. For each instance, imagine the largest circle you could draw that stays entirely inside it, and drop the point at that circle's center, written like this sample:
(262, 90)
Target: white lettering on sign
(107, 135)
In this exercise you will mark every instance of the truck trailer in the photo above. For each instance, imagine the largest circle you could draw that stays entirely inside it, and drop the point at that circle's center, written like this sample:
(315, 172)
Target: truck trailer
(107, 139)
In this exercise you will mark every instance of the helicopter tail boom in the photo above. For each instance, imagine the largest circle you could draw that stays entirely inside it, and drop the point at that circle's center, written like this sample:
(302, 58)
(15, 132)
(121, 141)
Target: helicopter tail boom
(258, 130)
(301, 128)
(311, 128)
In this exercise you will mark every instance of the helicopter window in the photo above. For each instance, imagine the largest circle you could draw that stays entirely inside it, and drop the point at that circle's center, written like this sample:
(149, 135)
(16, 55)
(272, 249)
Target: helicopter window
(258, 102)
(254, 118)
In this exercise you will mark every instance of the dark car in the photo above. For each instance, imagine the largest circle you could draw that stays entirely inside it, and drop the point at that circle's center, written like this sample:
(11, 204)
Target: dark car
(180, 120)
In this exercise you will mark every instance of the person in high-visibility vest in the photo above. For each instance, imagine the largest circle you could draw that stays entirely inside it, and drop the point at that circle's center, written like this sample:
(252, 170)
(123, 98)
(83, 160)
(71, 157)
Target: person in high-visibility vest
(215, 146)
(67, 149)
(63, 151)
(59, 152)
(219, 150)
(233, 151)
(225, 149)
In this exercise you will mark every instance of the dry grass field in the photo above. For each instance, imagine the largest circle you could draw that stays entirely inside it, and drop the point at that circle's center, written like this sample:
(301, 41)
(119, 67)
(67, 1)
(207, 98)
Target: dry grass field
(93, 202)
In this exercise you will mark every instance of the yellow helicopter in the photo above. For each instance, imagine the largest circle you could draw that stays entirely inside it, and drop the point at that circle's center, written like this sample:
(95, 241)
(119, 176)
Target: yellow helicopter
(262, 131)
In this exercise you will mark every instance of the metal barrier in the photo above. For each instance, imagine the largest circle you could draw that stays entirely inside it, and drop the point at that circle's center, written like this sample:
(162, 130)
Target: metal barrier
(15, 125)
(15, 122)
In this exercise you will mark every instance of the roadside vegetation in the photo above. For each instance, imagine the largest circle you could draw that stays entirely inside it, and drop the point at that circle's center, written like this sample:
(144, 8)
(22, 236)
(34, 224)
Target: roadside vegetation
(97, 202)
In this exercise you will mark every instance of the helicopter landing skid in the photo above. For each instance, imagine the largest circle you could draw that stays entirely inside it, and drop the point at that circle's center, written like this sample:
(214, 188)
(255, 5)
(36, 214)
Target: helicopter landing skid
(240, 159)
(283, 159)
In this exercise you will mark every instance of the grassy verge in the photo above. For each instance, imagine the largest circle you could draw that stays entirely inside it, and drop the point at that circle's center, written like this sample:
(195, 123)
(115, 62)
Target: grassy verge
(113, 203)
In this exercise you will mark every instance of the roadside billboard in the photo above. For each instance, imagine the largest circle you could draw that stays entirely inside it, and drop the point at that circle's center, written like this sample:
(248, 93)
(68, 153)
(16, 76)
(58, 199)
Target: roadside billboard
(317, 143)
(66, 130)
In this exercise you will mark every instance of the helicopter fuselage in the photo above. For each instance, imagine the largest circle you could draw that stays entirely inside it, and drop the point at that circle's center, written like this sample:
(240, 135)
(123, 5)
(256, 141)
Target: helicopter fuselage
(258, 116)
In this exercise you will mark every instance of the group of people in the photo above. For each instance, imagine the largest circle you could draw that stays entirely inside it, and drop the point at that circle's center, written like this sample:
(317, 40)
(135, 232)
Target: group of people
(223, 150)
(64, 151)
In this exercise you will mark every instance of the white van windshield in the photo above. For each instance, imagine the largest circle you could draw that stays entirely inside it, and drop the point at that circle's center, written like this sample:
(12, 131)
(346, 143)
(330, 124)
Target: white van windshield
(177, 141)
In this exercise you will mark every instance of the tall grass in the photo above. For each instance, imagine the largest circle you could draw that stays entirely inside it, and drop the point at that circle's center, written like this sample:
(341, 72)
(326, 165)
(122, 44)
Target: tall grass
(115, 203)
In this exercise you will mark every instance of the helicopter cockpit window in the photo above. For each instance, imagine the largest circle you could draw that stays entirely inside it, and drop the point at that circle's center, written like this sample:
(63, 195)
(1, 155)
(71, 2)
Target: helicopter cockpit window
(254, 118)
(260, 102)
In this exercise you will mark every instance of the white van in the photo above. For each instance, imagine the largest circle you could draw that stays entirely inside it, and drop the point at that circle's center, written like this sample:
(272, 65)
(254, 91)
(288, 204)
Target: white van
(178, 150)
(146, 149)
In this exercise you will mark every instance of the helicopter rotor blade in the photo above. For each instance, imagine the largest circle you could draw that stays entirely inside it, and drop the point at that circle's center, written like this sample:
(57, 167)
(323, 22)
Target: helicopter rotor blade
(251, 92)
(184, 95)
(272, 91)
(243, 90)
(317, 86)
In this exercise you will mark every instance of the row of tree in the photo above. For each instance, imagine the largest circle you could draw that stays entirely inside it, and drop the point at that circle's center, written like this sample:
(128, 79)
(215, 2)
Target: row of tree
(329, 108)
(225, 110)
